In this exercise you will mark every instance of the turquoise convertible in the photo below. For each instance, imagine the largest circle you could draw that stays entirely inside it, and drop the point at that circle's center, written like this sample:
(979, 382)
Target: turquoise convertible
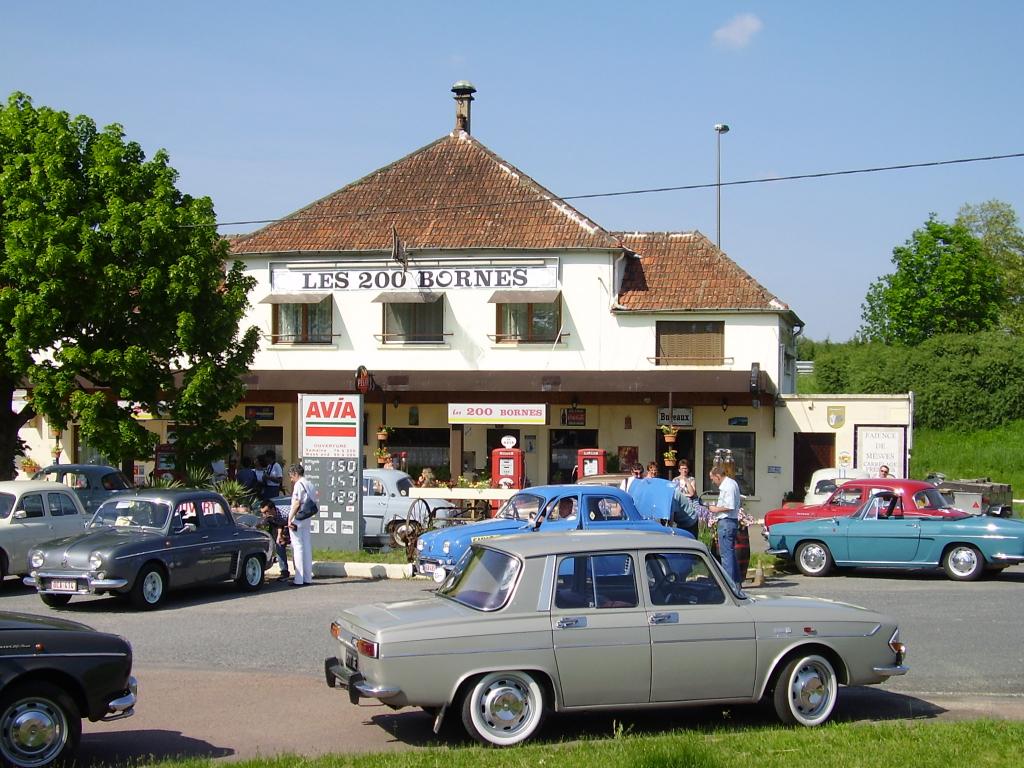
(877, 535)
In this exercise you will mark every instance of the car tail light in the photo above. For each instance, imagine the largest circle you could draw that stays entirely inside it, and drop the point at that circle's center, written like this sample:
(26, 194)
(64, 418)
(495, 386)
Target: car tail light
(335, 630)
(898, 648)
(366, 648)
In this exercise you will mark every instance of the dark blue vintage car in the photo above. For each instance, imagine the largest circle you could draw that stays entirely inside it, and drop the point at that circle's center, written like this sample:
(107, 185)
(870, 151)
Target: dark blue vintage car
(555, 507)
(54, 673)
(144, 543)
(878, 535)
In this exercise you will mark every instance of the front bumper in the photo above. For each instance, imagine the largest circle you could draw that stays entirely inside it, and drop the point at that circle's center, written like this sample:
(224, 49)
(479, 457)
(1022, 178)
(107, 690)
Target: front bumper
(72, 582)
(123, 706)
(778, 552)
(1004, 558)
(340, 676)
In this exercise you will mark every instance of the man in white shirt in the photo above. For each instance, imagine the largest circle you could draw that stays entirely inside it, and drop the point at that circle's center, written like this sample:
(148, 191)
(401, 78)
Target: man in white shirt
(727, 512)
(637, 473)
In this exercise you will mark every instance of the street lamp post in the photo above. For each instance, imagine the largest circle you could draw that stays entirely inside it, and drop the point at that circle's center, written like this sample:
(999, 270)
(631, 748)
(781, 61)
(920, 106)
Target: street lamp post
(720, 128)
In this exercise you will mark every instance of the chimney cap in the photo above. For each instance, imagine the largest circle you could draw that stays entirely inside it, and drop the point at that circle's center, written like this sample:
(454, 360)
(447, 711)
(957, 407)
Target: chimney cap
(463, 87)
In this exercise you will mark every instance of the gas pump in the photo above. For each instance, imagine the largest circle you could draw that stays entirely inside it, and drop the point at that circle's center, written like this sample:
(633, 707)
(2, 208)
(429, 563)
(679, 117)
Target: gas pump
(508, 470)
(591, 461)
(165, 465)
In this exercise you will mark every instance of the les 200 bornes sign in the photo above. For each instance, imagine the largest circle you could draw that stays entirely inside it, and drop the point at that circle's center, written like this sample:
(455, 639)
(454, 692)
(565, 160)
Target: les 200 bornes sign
(330, 447)
(415, 279)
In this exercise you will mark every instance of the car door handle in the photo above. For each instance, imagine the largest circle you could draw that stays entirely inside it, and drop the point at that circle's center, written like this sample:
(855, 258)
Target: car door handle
(571, 622)
(664, 618)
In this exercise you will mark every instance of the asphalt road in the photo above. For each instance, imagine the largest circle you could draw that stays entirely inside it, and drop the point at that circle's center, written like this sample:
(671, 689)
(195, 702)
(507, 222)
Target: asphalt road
(230, 676)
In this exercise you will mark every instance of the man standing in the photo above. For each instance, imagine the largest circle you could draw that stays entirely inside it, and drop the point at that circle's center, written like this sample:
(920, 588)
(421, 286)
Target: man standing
(273, 477)
(637, 473)
(302, 544)
(727, 512)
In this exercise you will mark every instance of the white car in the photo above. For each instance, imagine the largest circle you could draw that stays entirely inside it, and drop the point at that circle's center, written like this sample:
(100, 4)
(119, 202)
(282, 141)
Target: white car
(31, 512)
(827, 479)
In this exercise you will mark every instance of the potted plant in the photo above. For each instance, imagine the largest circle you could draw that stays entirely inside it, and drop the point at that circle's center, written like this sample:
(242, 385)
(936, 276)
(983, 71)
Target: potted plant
(669, 432)
(669, 457)
(29, 466)
(382, 433)
(382, 454)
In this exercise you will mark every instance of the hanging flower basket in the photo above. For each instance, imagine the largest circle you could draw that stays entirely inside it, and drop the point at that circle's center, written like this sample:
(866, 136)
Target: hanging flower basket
(382, 432)
(383, 456)
(670, 437)
(669, 432)
(382, 436)
(670, 462)
(669, 458)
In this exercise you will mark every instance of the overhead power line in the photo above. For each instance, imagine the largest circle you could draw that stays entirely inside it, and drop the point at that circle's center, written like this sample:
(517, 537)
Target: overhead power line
(648, 191)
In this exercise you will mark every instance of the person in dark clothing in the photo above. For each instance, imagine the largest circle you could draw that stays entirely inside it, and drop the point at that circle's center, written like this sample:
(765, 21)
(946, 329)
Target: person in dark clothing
(277, 523)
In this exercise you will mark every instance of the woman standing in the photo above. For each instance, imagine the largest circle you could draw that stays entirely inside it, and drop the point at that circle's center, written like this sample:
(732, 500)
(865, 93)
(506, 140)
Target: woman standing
(302, 545)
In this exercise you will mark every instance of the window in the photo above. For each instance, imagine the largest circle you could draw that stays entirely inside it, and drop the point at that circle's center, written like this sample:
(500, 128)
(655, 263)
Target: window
(32, 504)
(61, 504)
(529, 322)
(596, 581)
(690, 342)
(303, 323)
(414, 323)
(681, 578)
(742, 446)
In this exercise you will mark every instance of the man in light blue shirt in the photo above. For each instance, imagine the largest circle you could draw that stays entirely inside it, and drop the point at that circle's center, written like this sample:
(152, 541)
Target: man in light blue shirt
(727, 512)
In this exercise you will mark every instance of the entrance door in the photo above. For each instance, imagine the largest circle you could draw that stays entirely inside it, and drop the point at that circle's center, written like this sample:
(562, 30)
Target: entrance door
(564, 446)
(811, 451)
(685, 445)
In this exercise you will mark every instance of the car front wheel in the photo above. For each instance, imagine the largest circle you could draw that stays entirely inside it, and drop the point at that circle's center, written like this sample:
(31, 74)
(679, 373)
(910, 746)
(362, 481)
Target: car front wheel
(150, 587)
(806, 690)
(813, 559)
(504, 708)
(39, 725)
(963, 562)
(251, 577)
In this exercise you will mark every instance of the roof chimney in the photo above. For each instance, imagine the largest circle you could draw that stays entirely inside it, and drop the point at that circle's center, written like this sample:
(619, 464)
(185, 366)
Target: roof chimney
(463, 91)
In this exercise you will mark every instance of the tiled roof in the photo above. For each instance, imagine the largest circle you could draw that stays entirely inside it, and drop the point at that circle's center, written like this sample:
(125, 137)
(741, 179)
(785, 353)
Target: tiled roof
(684, 271)
(451, 194)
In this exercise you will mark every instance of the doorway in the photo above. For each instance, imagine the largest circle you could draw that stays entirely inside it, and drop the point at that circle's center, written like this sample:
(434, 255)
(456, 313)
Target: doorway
(811, 451)
(564, 446)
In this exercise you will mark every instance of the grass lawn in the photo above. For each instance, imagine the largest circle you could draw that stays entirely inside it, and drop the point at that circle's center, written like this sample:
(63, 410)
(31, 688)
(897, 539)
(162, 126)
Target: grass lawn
(920, 744)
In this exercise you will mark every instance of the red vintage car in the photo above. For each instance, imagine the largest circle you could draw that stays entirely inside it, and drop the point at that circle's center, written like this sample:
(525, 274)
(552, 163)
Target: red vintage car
(920, 499)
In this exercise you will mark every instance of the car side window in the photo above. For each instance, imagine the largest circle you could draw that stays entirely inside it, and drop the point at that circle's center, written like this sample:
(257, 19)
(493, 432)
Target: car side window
(60, 504)
(113, 481)
(682, 578)
(596, 581)
(213, 514)
(848, 497)
(32, 503)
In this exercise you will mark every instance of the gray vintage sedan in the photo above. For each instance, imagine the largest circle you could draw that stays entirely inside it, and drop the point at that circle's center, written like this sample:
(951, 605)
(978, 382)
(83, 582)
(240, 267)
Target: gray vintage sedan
(142, 544)
(565, 621)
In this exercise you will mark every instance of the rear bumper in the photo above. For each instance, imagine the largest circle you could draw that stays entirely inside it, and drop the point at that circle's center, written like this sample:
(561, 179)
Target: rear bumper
(1003, 558)
(893, 671)
(340, 676)
(123, 706)
(777, 552)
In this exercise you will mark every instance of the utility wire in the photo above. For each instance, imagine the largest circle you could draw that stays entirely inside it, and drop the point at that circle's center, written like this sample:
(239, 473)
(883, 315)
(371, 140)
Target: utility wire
(652, 190)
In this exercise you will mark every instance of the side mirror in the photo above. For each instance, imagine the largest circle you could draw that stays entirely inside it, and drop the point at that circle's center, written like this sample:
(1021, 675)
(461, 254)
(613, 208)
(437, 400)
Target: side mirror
(20, 514)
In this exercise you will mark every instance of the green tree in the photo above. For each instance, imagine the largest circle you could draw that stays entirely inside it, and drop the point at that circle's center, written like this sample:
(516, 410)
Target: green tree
(944, 282)
(114, 292)
(995, 224)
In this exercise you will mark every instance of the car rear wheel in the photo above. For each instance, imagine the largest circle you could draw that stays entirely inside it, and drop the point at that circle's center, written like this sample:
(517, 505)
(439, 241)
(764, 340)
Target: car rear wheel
(504, 708)
(806, 691)
(251, 577)
(55, 601)
(962, 562)
(150, 587)
(39, 725)
(813, 558)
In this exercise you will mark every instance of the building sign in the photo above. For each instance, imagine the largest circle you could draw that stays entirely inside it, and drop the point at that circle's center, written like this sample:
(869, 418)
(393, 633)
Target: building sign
(680, 417)
(738, 421)
(330, 450)
(573, 417)
(259, 412)
(415, 279)
(497, 413)
(875, 445)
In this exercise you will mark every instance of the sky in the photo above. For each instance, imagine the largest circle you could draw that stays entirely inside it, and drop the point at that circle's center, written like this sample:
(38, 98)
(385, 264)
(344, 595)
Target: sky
(266, 107)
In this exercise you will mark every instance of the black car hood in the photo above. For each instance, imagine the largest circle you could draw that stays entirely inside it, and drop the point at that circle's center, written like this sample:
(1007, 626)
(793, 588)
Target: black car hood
(103, 539)
(26, 621)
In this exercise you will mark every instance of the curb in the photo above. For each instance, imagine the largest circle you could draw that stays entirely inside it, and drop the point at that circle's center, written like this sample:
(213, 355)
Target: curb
(363, 570)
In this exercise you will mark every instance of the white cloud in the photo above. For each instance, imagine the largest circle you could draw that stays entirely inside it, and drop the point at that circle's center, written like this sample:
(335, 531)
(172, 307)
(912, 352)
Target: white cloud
(738, 32)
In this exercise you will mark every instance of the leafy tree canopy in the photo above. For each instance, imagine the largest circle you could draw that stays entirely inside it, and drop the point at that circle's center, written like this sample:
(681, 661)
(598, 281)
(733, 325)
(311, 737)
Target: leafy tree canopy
(995, 224)
(945, 282)
(114, 291)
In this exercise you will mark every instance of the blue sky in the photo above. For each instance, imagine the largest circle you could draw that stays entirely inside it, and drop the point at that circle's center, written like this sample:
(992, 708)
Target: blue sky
(268, 106)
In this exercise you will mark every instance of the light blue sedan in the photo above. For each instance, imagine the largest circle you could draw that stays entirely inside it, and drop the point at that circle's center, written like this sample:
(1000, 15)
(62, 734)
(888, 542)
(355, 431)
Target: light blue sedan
(878, 535)
(557, 508)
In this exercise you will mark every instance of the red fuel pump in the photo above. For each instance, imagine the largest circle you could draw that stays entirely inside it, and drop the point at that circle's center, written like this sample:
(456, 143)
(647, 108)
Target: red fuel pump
(591, 461)
(508, 470)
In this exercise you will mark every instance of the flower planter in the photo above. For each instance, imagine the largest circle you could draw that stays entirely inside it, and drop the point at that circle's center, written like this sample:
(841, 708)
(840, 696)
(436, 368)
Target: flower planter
(670, 438)
(382, 437)
(381, 462)
(670, 462)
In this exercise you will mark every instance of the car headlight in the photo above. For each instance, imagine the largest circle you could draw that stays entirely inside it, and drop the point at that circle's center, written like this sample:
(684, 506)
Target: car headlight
(446, 547)
(95, 561)
(419, 545)
(36, 560)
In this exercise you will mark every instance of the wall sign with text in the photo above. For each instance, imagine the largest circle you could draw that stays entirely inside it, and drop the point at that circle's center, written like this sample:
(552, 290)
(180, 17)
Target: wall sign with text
(346, 278)
(878, 444)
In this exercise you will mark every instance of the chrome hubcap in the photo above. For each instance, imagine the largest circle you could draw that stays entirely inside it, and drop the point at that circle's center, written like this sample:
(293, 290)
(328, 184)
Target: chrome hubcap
(33, 733)
(809, 690)
(963, 561)
(152, 587)
(813, 558)
(253, 571)
(505, 706)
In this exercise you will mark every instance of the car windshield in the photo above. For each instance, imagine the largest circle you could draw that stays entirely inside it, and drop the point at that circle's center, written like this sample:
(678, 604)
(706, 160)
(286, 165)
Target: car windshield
(522, 506)
(483, 579)
(131, 513)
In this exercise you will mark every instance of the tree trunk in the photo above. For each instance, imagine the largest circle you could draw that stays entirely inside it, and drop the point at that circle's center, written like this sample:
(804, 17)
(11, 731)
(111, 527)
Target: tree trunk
(10, 424)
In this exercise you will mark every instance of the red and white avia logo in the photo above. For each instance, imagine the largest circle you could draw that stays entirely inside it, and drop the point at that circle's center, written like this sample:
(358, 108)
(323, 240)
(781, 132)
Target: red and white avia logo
(338, 409)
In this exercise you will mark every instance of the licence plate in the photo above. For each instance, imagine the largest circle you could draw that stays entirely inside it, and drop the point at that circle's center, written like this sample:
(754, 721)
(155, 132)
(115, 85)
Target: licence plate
(428, 567)
(64, 585)
(351, 661)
